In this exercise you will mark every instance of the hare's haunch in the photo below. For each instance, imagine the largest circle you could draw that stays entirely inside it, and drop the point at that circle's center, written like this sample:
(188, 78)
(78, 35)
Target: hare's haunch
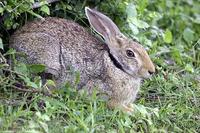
(115, 66)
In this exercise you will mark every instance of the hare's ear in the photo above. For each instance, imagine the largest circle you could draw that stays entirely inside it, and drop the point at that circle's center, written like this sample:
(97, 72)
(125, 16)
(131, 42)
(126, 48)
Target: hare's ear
(102, 25)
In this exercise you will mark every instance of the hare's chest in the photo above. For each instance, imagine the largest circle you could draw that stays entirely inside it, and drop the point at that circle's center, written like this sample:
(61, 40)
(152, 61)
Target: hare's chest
(123, 86)
(133, 88)
(128, 89)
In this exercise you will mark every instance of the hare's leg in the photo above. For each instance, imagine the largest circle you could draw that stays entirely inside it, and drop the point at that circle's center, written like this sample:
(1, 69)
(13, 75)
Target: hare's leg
(128, 108)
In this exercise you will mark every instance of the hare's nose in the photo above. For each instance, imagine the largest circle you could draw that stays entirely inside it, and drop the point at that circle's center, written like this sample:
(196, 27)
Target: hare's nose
(150, 72)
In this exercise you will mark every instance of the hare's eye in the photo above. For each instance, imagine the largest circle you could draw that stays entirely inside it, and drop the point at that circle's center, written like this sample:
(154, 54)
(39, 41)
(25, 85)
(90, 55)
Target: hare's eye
(130, 53)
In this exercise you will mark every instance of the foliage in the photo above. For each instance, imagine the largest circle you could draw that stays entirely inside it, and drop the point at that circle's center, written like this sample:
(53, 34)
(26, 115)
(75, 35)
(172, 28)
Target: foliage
(169, 101)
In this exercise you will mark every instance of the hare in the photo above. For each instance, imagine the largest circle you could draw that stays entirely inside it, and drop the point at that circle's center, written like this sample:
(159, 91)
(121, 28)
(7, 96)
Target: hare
(115, 66)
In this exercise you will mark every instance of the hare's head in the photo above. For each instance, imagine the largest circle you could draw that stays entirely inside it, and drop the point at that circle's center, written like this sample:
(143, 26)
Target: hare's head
(127, 55)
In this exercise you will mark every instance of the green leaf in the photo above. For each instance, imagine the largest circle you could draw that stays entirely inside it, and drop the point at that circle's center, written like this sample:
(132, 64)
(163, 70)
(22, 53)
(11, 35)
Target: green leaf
(190, 2)
(197, 18)
(44, 2)
(8, 8)
(45, 117)
(32, 1)
(36, 68)
(168, 36)
(31, 84)
(28, 82)
(1, 10)
(10, 52)
(141, 109)
(35, 14)
(169, 3)
(38, 81)
(1, 44)
(77, 80)
(189, 68)
(21, 69)
(131, 10)
(69, 7)
(133, 28)
(50, 83)
(139, 23)
(45, 9)
(176, 55)
(142, 5)
(188, 35)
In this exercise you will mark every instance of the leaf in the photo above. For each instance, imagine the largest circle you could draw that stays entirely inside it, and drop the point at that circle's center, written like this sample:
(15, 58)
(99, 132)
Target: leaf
(1, 10)
(32, 1)
(35, 14)
(168, 36)
(176, 55)
(142, 6)
(45, 117)
(37, 80)
(77, 80)
(1, 44)
(44, 2)
(31, 84)
(28, 82)
(50, 83)
(38, 114)
(45, 9)
(36, 68)
(33, 125)
(134, 29)
(189, 68)
(131, 10)
(145, 41)
(197, 20)
(8, 8)
(142, 24)
(190, 2)
(139, 23)
(169, 4)
(188, 35)
(69, 7)
(21, 69)
(10, 52)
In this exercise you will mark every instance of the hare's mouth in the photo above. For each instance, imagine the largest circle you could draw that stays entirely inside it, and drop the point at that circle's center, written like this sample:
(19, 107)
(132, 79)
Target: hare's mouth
(115, 62)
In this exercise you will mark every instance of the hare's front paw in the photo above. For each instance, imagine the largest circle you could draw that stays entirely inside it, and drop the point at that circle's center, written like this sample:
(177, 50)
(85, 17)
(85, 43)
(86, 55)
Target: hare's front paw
(125, 108)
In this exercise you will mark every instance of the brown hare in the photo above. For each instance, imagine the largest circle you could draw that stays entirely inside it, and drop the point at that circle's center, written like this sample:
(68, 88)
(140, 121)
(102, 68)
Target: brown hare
(115, 66)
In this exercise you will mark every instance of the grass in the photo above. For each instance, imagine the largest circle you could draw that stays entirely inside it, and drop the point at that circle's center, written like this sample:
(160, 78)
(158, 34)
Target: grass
(168, 102)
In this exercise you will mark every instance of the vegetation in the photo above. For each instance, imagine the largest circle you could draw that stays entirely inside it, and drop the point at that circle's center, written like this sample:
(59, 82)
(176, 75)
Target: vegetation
(168, 102)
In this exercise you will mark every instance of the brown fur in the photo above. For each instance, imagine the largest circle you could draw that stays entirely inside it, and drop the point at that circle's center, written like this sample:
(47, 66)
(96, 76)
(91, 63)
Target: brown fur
(63, 45)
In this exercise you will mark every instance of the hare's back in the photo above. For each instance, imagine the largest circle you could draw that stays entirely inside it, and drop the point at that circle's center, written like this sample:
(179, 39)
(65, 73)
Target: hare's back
(46, 42)
(62, 32)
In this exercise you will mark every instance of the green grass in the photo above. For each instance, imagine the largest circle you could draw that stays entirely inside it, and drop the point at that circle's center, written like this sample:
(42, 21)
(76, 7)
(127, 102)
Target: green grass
(168, 102)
